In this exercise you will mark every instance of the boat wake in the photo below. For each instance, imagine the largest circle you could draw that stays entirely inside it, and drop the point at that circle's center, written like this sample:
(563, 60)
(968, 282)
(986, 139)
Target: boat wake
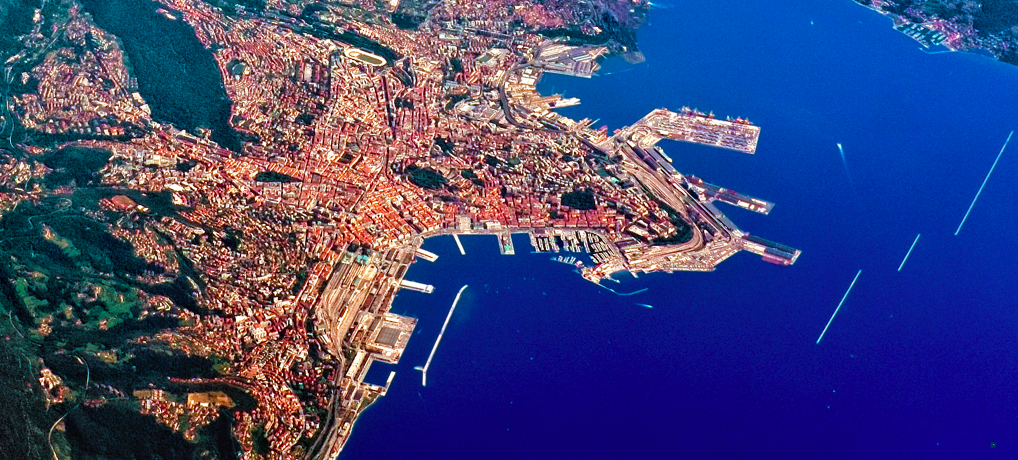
(623, 293)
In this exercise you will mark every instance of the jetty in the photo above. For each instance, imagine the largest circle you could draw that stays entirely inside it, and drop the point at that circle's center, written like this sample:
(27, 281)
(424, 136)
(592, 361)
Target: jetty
(424, 370)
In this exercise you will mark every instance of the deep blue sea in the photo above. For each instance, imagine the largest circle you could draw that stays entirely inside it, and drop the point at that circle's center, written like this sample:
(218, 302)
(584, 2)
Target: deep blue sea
(921, 364)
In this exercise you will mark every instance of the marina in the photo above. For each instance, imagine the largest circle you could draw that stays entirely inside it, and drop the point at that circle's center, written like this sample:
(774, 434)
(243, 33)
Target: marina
(568, 260)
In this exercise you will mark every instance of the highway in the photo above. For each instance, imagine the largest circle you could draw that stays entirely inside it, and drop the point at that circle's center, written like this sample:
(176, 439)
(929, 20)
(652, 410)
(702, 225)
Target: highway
(503, 100)
(326, 444)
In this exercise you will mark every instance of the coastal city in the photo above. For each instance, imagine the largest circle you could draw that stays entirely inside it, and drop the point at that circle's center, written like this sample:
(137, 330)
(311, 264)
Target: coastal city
(360, 138)
(956, 26)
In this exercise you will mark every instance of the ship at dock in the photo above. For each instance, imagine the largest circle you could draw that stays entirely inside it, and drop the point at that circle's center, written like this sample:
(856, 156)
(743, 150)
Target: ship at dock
(568, 260)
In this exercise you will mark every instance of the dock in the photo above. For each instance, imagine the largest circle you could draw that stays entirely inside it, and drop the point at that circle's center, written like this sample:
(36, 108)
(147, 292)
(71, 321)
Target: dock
(415, 286)
(505, 244)
(712, 192)
(424, 370)
(459, 244)
(388, 382)
(426, 255)
(689, 125)
(770, 251)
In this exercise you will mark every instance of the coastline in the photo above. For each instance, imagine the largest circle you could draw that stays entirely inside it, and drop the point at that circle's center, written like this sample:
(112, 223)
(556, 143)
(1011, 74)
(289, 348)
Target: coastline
(899, 23)
(536, 350)
(746, 324)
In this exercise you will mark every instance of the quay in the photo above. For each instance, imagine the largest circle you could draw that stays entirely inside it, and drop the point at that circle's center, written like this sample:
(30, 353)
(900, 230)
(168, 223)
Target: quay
(691, 126)
(415, 286)
(505, 244)
(427, 255)
(713, 192)
(770, 251)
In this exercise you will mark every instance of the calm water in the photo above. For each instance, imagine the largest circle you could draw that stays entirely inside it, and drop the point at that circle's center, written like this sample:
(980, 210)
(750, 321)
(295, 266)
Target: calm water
(538, 363)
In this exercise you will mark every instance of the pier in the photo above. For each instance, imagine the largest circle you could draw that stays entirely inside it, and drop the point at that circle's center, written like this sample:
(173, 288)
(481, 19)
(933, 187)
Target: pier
(691, 126)
(424, 370)
(505, 244)
(459, 244)
(415, 286)
(427, 255)
(770, 251)
(713, 192)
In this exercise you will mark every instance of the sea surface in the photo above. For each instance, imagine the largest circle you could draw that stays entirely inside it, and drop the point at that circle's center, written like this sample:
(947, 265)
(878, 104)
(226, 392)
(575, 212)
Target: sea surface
(919, 364)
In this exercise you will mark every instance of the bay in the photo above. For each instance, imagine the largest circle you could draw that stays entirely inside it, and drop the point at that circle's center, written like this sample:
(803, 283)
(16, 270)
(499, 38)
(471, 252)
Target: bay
(538, 363)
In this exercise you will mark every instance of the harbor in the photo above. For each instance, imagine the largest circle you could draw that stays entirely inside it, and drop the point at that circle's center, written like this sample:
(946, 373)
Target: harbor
(709, 333)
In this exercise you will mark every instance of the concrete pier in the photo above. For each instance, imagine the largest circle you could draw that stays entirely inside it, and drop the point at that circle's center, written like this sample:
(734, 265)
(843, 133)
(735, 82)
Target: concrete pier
(505, 244)
(415, 286)
(424, 370)
(426, 255)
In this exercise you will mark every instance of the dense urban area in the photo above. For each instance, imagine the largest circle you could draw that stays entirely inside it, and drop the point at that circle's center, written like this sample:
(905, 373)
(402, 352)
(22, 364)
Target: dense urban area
(183, 252)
